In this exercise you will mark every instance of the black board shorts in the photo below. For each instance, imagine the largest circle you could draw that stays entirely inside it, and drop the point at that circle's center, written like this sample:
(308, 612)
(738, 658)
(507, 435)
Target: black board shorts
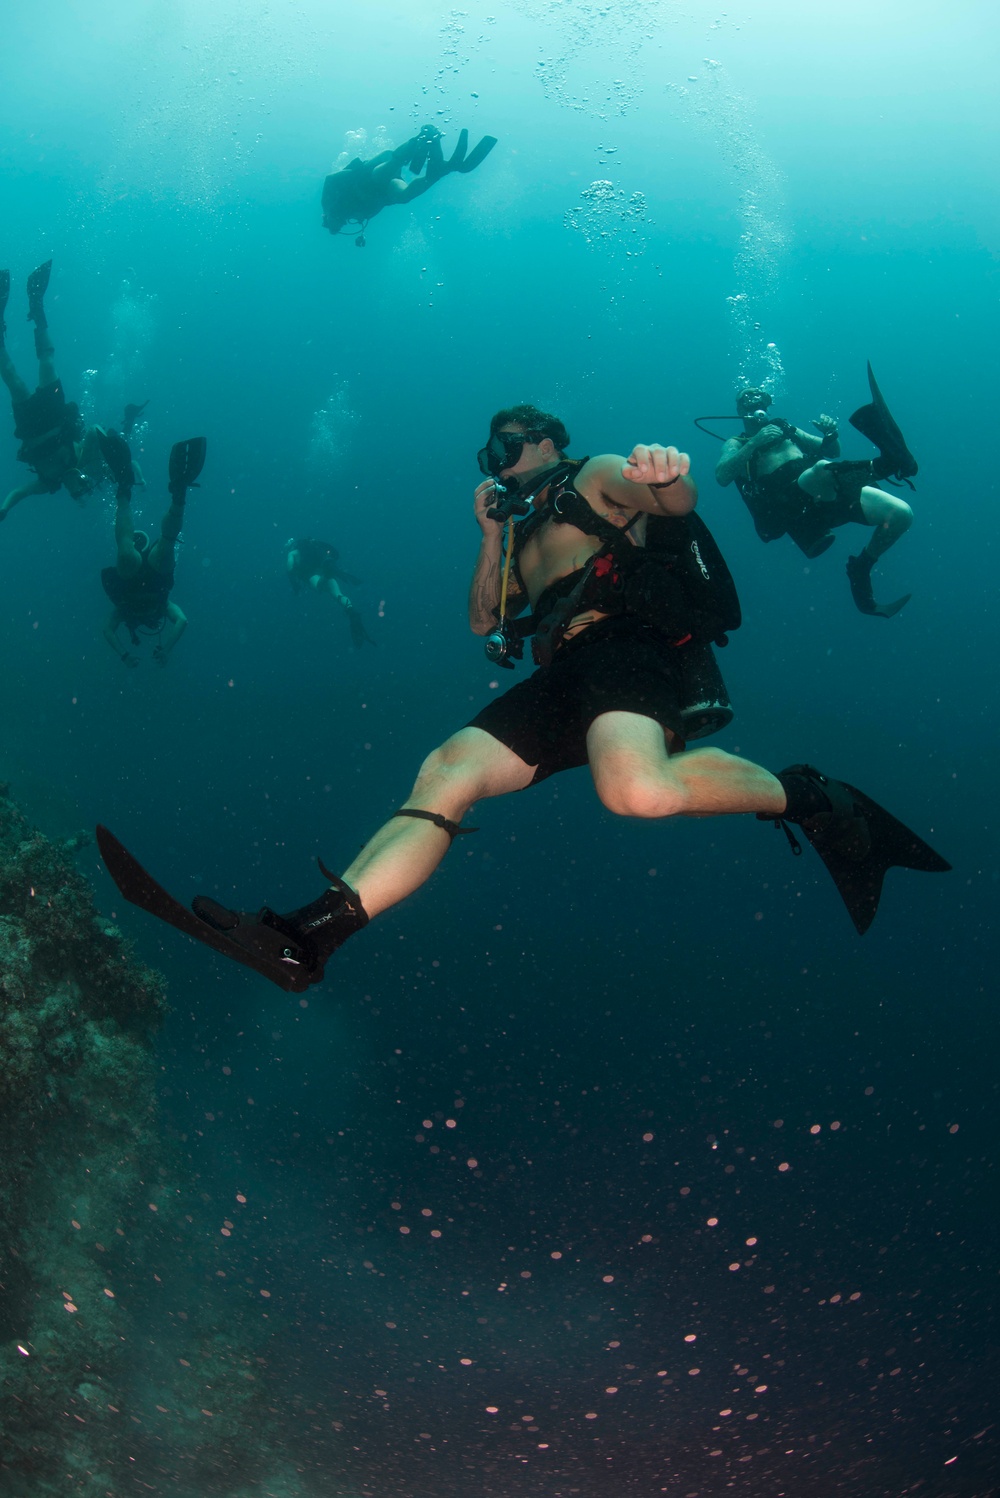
(616, 665)
(780, 507)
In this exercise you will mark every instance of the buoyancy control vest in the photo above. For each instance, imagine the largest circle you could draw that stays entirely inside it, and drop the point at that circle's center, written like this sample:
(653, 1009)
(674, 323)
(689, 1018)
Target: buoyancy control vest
(140, 599)
(47, 426)
(678, 584)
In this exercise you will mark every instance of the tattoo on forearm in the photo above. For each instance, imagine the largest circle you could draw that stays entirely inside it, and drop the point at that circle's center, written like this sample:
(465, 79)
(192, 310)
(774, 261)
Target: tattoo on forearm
(485, 592)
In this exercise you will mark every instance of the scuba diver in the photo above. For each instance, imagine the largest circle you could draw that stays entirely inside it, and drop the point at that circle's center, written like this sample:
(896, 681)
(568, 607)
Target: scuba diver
(354, 195)
(140, 582)
(313, 564)
(54, 442)
(792, 485)
(607, 693)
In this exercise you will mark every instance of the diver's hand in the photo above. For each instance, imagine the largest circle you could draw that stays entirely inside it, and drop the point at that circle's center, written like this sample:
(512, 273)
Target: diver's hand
(161, 656)
(485, 499)
(826, 426)
(128, 659)
(656, 466)
(767, 435)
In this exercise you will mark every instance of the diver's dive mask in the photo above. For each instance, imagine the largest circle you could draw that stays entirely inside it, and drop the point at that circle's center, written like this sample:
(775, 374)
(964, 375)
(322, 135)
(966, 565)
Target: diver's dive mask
(752, 404)
(502, 451)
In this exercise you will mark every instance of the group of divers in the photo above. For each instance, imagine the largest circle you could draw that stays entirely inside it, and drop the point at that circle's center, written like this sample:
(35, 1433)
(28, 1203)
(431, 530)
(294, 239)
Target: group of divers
(602, 561)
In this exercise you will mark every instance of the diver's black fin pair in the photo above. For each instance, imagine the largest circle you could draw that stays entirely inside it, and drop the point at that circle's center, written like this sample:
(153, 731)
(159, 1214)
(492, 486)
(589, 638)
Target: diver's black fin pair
(859, 575)
(461, 159)
(38, 283)
(875, 422)
(858, 840)
(187, 459)
(115, 452)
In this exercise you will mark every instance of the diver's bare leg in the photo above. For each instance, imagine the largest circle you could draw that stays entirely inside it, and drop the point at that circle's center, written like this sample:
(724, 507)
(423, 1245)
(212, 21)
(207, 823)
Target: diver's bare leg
(46, 356)
(404, 853)
(129, 559)
(18, 392)
(25, 492)
(162, 554)
(891, 517)
(636, 777)
(18, 389)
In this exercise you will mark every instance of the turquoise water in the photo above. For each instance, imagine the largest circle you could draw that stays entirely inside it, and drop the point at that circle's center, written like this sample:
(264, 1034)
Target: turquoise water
(680, 199)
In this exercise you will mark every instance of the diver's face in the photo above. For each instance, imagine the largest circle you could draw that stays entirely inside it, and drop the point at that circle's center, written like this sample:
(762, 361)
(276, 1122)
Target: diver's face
(333, 224)
(748, 402)
(533, 458)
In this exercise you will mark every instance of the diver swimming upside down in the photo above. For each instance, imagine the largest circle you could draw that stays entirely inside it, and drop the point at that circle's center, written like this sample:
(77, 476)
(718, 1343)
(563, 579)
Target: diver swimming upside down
(55, 444)
(354, 195)
(140, 582)
(609, 693)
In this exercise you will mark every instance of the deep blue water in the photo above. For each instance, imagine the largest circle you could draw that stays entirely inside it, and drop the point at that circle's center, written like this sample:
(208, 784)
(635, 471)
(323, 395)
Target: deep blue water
(569, 982)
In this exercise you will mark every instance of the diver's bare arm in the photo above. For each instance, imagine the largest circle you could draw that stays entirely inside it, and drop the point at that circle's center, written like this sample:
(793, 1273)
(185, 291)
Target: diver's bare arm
(732, 459)
(484, 594)
(658, 481)
(111, 629)
(176, 625)
(812, 446)
(826, 445)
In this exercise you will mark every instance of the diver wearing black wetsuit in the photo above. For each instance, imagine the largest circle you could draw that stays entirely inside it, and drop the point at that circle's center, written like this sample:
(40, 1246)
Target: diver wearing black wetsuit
(315, 564)
(54, 441)
(362, 189)
(792, 484)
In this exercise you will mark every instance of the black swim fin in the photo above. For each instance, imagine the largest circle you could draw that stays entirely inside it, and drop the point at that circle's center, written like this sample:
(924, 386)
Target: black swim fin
(858, 840)
(477, 155)
(459, 161)
(875, 422)
(359, 635)
(187, 459)
(859, 574)
(38, 283)
(115, 452)
(262, 941)
(131, 416)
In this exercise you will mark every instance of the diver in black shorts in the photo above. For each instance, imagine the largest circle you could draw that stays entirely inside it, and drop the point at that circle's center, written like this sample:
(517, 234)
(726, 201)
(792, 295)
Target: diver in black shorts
(793, 484)
(612, 625)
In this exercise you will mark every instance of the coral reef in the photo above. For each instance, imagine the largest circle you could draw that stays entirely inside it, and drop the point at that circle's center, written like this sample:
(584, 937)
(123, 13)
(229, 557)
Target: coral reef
(96, 1380)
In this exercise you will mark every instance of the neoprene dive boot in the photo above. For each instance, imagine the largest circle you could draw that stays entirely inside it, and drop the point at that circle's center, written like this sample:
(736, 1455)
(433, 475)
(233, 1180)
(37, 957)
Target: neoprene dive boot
(296, 945)
(289, 949)
(858, 840)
